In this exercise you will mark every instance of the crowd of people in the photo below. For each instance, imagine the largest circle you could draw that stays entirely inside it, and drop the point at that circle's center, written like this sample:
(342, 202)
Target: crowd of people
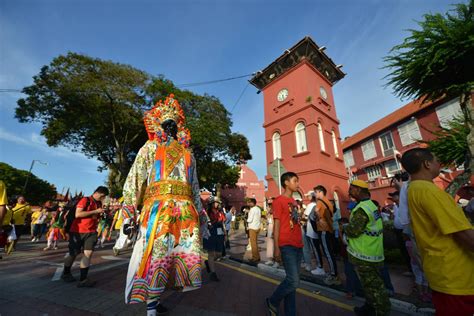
(438, 238)
(165, 221)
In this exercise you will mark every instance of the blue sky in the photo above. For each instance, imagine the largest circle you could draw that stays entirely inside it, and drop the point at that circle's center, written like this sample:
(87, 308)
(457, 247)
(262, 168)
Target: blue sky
(194, 41)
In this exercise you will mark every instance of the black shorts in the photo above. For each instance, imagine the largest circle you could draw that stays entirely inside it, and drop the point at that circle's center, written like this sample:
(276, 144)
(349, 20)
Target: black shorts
(79, 241)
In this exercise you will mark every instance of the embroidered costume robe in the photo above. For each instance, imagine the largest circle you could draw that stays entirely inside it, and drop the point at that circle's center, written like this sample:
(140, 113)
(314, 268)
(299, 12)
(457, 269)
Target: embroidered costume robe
(163, 181)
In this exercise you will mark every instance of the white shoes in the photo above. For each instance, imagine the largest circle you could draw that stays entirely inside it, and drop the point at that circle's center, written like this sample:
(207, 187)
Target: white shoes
(276, 265)
(307, 267)
(318, 271)
(269, 263)
(249, 247)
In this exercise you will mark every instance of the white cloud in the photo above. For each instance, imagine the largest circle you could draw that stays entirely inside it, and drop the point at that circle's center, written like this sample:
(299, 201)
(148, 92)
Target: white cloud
(38, 142)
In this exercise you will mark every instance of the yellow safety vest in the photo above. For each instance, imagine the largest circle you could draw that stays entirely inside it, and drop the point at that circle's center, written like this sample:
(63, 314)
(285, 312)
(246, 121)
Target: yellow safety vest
(369, 245)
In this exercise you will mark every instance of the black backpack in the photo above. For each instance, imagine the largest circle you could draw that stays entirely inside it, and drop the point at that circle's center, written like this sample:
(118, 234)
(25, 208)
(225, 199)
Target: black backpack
(71, 213)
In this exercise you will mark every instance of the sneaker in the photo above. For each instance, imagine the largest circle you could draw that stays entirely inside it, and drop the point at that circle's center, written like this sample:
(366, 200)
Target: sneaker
(307, 267)
(332, 280)
(318, 271)
(276, 265)
(161, 310)
(214, 277)
(272, 310)
(67, 277)
(86, 283)
(55, 248)
(269, 263)
(249, 247)
(47, 248)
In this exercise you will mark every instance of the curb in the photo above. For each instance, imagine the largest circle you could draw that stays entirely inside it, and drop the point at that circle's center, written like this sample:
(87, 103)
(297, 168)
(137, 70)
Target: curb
(397, 305)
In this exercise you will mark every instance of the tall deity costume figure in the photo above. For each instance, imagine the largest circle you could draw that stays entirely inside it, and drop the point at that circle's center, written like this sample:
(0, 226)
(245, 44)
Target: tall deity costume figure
(163, 184)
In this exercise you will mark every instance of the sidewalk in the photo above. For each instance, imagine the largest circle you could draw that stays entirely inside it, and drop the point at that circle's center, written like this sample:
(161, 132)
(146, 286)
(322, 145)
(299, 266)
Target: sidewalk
(402, 284)
(28, 287)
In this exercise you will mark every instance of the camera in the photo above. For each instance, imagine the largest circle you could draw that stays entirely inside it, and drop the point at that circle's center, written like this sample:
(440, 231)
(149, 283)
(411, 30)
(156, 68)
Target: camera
(402, 176)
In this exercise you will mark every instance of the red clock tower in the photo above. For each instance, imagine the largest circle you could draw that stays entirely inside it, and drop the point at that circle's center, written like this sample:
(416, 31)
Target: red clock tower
(301, 125)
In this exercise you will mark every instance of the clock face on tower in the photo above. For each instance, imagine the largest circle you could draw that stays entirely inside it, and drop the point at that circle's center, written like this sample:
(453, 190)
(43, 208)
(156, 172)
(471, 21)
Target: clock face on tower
(282, 95)
(323, 92)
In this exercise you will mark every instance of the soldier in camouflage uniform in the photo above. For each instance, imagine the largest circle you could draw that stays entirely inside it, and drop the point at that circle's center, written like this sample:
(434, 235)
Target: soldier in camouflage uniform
(361, 229)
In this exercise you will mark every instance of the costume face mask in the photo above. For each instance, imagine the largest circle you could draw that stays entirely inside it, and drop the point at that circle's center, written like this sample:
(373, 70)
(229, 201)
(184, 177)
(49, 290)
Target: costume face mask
(166, 119)
(170, 128)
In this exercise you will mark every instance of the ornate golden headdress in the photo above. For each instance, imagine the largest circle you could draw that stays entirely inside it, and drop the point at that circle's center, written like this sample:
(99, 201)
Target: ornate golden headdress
(169, 109)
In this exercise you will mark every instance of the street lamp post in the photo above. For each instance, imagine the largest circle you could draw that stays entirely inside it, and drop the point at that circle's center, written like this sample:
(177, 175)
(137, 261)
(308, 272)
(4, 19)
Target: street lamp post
(29, 173)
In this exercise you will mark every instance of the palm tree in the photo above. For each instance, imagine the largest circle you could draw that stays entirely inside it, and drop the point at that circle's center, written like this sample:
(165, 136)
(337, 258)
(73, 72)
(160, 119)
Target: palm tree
(437, 62)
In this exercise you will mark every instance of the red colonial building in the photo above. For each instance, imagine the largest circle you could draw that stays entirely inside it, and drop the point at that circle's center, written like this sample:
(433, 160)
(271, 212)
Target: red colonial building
(300, 120)
(248, 186)
(373, 154)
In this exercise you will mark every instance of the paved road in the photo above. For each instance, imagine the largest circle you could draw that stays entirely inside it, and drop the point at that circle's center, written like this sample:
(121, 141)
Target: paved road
(30, 285)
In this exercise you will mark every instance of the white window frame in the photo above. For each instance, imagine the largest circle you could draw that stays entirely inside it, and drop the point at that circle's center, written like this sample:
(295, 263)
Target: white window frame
(447, 111)
(300, 134)
(365, 147)
(386, 151)
(321, 137)
(391, 173)
(334, 143)
(276, 143)
(413, 132)
(373, 172)
(352, 178)
(348, 158)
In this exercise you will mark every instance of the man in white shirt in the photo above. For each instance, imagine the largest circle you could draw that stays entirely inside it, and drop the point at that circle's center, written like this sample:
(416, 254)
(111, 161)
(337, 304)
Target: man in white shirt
(311, 237)
(254, 221)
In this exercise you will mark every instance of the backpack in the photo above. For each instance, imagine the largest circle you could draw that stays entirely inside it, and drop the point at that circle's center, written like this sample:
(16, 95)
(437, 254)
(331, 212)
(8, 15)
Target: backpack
(313, 217)
(71, 213)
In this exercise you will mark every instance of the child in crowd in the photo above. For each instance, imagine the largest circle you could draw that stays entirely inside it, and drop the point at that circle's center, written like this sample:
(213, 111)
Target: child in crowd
(57, 228)
(288, 244)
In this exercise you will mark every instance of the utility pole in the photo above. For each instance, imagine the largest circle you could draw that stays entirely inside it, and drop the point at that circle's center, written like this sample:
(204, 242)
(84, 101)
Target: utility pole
(29, 173)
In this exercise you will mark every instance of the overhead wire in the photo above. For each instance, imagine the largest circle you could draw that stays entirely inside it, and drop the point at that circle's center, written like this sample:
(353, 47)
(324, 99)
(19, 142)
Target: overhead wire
(184, 85)
(194, 84)
(240, 97)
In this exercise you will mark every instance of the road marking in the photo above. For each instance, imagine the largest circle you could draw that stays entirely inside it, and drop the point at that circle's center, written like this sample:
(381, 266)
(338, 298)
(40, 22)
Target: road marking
(298, 290)
(113, 258)
(57, 274)
(59, 270)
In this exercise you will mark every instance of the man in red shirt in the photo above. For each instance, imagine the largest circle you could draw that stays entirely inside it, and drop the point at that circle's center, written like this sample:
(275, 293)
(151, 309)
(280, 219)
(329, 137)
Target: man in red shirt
(288, 243)
(83, 235)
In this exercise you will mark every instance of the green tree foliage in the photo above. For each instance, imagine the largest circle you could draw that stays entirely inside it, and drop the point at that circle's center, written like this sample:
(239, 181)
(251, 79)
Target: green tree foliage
(450, 144)
(96, 107)
(37, 191)
(435, 62)
(89, 105)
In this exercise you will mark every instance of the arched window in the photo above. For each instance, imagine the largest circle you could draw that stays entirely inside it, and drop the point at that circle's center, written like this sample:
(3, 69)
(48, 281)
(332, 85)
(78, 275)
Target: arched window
(321, 137)
(334, 144)
(300, 132)
(276, 146)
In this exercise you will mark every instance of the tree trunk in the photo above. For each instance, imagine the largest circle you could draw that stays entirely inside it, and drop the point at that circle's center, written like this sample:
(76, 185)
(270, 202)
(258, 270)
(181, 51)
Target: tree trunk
(468, 111)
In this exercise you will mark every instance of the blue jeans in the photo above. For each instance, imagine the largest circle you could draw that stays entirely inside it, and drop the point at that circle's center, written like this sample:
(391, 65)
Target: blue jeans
(306, 248)
(353, 285)
(291, 257)
(387, 281)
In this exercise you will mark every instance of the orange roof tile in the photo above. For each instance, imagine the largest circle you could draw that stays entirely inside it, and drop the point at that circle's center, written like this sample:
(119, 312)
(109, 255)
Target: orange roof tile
(402, 113)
